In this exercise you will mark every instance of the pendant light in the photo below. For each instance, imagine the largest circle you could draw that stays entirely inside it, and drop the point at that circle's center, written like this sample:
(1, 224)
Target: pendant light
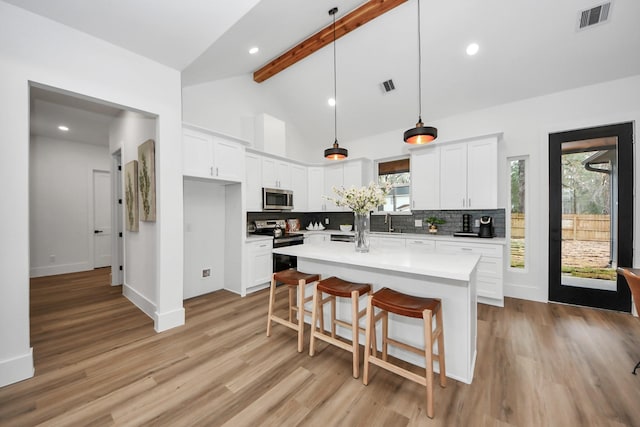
(420, 134)
(335, 152)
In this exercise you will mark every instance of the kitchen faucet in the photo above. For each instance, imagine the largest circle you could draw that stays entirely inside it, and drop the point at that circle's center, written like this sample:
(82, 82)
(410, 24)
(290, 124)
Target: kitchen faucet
(387, 220)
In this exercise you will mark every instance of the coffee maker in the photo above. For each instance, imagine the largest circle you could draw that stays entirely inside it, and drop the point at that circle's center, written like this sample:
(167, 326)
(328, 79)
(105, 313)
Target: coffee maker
(486, 227)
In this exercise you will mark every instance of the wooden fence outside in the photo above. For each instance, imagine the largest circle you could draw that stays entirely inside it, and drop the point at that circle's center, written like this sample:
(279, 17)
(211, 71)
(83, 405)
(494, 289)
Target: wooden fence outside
(574, 227)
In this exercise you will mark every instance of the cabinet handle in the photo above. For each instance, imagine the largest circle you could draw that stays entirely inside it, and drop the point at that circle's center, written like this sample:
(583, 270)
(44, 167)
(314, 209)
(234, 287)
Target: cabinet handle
(211, 171)
(463, 205)
(469, 201)
(217, 172)
(418, 242)
(263, 246)
(466, 249)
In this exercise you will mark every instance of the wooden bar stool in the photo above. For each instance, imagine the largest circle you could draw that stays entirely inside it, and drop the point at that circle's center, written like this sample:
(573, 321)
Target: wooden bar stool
(388, 300)
(336, 287)
(295, 280)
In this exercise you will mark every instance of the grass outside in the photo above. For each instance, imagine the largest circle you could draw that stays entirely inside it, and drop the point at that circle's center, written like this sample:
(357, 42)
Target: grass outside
(580, 258)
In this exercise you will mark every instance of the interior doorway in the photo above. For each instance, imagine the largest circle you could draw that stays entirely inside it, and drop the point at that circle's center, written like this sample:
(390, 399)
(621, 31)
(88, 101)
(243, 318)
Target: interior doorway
(101, 219)
(591, 215)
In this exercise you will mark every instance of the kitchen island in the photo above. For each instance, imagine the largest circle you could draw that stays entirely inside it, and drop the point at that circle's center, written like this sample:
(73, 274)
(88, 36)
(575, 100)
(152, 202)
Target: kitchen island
(452, 278)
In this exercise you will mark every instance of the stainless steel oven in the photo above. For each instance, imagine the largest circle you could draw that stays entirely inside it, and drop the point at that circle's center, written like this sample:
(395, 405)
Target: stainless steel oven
(276, 227)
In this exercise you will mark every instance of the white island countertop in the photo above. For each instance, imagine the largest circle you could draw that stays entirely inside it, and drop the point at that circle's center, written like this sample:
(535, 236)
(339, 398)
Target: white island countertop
(447, 266)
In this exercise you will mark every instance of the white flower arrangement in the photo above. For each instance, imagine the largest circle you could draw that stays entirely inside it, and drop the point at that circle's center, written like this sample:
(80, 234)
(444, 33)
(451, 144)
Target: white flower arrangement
(360, 200)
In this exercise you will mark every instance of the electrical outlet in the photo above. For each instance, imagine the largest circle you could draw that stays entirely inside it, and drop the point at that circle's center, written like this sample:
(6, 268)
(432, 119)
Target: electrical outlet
(418, 223)
(476, 223)
(206, 272)
(326, 221)
(52, 258)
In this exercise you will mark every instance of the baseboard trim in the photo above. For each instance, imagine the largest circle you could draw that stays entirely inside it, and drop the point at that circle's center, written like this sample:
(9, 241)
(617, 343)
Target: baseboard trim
(17, 369)
(524, 292)
(139, 300)
(60, 269)
(169, 319)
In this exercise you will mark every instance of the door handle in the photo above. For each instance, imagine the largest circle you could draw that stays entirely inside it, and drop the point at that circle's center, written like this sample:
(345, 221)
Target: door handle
(97, 231)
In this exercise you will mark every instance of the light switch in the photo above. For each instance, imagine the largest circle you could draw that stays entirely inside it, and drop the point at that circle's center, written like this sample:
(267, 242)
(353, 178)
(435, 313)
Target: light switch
(418, 223)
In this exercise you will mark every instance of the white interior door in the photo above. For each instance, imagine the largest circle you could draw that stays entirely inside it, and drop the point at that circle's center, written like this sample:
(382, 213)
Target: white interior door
(101, 219)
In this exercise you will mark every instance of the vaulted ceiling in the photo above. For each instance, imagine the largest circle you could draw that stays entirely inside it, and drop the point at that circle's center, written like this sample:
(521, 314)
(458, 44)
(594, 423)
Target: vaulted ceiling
(527, 48)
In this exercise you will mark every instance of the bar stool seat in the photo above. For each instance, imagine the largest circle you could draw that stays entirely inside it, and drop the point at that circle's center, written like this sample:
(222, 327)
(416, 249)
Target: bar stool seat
(296, 281)
(336, 287)
(390, 301)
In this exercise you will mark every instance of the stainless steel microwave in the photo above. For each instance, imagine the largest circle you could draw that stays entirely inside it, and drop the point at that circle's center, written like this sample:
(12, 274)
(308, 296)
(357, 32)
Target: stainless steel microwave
(277, 199)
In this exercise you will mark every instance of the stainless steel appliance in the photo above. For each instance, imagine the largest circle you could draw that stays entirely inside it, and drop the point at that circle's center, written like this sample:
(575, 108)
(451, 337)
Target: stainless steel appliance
(486, 227)
(277, 199)
(276, 228)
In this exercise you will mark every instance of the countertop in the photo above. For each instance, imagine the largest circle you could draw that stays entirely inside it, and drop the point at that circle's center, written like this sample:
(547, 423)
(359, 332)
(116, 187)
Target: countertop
(437, 237)
(456, 267)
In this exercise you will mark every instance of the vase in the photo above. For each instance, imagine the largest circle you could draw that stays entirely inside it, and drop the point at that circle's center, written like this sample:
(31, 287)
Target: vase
(361, 226)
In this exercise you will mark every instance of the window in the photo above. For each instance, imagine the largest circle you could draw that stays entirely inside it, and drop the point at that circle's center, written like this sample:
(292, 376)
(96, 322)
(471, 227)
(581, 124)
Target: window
(397, 173)
(517, 220)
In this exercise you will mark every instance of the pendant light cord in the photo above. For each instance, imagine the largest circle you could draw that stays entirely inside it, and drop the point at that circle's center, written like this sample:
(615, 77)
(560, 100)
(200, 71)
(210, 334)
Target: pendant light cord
(419, 67)
(335, 85)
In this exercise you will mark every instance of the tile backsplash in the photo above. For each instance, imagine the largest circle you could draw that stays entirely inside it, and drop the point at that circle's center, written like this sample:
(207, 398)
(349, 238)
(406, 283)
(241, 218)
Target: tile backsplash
(401, 223)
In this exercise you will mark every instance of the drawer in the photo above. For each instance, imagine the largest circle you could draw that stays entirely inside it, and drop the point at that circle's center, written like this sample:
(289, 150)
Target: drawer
(489, 266)
(470, 248)
(489, 288)
(421, 245)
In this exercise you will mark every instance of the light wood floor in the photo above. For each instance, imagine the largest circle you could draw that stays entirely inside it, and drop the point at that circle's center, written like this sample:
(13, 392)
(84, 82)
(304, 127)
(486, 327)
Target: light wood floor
(99, 362)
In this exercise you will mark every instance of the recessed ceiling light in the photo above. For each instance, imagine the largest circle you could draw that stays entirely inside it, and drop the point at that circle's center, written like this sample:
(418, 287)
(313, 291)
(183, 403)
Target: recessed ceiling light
(253, 50)
(63, 128)
(472, 49)
(332, 102)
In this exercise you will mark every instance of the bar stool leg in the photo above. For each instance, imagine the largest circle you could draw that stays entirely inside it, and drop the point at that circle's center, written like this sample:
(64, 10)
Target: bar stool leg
(441, 363)
(428, 354)
(333, 316)
(301, 290)
(385, 334)
(272, 298)
(369, 330)
(292, 303)
(314, 316)
(355, 333)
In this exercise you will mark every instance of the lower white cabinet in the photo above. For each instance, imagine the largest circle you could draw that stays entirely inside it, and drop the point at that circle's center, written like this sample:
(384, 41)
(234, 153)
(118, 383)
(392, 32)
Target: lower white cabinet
(385, 242)
(421, 245)
(490, 277)
(315, 238)
(260, 265)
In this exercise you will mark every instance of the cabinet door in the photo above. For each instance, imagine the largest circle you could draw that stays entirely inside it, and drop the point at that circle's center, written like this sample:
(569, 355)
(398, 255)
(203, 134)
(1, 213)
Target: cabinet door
(453, 176)
(253, 187)
(482, 174)
(421, 245)
(261, 264)
(425, 179)
(283, 174)
(229, 160)
(333, 177)
(316, 190)
(382, 242)
(299, 187)
(269, 173)
(197, 154)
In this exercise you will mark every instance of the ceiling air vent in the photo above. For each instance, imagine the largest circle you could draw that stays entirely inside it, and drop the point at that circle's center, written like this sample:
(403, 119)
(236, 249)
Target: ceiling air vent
(387, 86)
(595, 15)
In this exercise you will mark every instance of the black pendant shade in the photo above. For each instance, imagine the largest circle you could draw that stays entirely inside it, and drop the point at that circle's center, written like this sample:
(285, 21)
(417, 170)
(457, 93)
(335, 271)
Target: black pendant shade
(335, 152)
(420, 134)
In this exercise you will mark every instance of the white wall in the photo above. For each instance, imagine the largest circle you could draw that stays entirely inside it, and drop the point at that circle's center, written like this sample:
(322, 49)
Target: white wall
(126, 133)
(526, 126)
(30, 51)
(204, 236)
(230, 105)
(60, 198)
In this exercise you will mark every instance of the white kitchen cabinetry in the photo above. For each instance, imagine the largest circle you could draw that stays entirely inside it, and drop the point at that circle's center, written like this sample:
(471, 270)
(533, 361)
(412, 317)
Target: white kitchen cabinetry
(208, 156)
(260, 265)
(276, 173)
(353, 173)
(253, 187)
(315, 189)
(425, 178)
(333, 177)
(422, 245)
(383, 242)
(299, 188)
(490, 266)
(469, 175)
(315, 238)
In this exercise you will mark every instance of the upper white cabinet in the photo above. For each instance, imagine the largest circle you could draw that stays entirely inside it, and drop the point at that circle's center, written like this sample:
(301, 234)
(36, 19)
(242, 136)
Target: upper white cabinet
(208, 156)
(315, 189)
(299, 188)
(425, 178)
(253, 187)
(469, 175)
(353, 173)
(276, 173)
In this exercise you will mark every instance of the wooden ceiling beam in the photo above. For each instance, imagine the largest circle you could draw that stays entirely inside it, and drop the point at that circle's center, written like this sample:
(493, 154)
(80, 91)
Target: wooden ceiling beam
(358, 17)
